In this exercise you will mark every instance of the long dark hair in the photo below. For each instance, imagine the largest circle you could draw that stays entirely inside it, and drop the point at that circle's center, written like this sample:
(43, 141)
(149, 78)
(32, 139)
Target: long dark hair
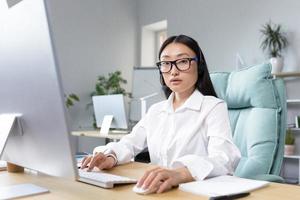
(203, 84)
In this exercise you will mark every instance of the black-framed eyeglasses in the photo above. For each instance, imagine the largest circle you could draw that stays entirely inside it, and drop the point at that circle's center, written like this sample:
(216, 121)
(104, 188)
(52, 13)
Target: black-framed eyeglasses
(181, 64)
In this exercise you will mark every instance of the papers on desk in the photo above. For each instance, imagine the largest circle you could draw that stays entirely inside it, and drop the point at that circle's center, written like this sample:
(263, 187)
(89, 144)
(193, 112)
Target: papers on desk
(222, 185)
(2, 165)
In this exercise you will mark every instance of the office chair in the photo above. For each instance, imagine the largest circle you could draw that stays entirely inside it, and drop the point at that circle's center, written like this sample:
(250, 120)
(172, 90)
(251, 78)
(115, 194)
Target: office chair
(257, 112)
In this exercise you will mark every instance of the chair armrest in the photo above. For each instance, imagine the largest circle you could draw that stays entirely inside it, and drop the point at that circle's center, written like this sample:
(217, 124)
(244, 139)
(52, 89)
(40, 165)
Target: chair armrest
(268, 177)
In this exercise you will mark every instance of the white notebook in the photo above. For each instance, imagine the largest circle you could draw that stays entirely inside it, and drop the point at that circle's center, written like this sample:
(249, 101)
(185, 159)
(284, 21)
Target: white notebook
(222, 185)
(20, 190)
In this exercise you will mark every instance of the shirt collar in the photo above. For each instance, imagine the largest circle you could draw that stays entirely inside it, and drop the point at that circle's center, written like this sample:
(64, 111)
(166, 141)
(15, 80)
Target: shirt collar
(194, 102)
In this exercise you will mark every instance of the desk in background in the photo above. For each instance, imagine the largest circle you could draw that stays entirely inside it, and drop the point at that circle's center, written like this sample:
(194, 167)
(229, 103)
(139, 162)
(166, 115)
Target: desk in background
(67, 189)
(112, 135)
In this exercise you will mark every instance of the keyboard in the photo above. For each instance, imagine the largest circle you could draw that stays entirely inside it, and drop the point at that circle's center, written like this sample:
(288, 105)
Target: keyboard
(102, 179)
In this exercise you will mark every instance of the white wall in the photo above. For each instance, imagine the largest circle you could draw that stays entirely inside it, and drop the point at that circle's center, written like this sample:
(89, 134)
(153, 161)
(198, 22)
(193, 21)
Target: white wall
(98, 36)
(92, 38)
(147, 47)
(224, 28)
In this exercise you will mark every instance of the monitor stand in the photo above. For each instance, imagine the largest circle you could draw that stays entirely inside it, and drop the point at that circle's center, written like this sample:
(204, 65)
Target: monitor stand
(106, 123)
(7, 123)
(13, 168)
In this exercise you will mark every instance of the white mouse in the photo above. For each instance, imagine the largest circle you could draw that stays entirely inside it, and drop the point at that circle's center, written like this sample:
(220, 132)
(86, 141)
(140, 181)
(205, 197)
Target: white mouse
(140, 190)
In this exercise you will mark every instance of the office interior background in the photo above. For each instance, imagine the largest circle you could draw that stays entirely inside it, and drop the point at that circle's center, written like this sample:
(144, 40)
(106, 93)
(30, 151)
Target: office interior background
(96, 37)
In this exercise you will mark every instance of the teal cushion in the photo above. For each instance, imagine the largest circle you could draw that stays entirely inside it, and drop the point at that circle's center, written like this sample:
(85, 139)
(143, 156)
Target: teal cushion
(246, 87)
(254, 112)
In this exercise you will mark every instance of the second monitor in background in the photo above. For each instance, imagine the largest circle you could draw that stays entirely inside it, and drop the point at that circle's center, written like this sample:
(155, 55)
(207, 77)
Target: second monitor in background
(110, 112)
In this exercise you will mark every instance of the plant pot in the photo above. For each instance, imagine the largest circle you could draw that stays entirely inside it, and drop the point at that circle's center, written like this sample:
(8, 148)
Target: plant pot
(289, 149)
(277, 64)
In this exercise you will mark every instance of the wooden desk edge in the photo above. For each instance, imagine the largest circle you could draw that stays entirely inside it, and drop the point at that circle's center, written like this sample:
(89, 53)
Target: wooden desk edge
(76, 190)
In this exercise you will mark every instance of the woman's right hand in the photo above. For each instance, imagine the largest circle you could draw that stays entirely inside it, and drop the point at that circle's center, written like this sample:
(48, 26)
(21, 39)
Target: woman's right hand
(99, 160)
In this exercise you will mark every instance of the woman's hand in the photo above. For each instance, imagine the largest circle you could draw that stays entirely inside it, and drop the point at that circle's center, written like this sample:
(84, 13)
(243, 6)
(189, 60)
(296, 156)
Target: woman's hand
(99, 160)
(161, 179)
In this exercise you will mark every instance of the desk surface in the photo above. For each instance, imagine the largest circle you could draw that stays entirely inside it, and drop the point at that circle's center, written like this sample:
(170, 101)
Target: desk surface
(68, 189)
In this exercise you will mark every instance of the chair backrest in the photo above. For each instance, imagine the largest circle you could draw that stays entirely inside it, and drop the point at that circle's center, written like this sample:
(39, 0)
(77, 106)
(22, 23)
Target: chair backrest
(257, 111)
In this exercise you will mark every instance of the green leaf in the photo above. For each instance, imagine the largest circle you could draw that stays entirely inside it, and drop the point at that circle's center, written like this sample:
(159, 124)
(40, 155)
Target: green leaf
(74, 97)
(70, 99)
(69, 103)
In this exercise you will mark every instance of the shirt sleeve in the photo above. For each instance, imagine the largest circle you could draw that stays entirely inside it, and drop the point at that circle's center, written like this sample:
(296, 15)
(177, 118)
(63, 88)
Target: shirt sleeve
(222, 154)
(129, 145)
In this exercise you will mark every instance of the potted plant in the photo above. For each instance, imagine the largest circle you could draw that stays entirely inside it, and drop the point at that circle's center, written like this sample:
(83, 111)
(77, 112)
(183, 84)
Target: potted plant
(289, 143)
(108, 86)
(274, 41)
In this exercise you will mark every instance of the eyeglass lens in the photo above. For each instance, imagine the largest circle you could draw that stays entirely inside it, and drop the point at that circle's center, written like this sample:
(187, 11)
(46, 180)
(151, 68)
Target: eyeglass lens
(181, 64)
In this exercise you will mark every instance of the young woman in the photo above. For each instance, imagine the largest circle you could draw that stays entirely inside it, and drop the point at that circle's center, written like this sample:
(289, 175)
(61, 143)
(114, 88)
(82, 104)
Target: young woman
(188, 135)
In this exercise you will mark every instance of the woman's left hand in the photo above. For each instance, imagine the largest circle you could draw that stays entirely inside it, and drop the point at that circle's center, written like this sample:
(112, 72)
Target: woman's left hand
(161, 179)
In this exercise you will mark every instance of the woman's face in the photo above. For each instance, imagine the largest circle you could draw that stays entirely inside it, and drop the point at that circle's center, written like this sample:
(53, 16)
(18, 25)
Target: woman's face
(180, 81)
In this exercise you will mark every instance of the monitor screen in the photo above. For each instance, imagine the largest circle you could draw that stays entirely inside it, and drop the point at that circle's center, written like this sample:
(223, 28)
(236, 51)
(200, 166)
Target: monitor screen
(30, 84)
(110, 105)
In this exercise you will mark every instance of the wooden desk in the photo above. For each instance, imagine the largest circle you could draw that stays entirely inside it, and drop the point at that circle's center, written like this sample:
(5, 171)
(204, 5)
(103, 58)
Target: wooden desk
(113, 135)
(67, 189)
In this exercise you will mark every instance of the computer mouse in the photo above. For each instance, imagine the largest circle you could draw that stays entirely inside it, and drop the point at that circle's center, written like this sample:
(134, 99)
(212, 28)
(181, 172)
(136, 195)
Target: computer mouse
(140, 190)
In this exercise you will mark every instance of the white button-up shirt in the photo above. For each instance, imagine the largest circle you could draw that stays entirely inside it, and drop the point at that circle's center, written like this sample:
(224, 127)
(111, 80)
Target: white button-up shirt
(196, 135)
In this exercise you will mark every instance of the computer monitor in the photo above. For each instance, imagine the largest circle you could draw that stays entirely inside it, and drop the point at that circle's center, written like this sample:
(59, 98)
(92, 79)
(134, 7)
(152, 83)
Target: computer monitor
(30, 84)
(105, 105)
